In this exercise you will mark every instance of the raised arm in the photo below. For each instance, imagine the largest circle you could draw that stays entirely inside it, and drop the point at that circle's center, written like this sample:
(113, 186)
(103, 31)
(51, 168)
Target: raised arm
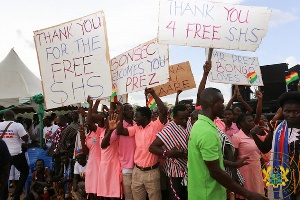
(163, 111)
(230, 102)
(201, 87)
(177, 96)
(90, 121)
(85, 149)
(112, 125)
(120, 128)
(259, 96)
(248, 108)
(95, 107)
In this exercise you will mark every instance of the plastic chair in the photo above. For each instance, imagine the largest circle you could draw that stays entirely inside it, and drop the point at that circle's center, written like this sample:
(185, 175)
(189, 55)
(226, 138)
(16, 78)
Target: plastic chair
(33, 155)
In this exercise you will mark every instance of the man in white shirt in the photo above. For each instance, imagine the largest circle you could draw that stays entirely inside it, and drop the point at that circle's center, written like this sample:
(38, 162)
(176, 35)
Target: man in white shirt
(13, 137)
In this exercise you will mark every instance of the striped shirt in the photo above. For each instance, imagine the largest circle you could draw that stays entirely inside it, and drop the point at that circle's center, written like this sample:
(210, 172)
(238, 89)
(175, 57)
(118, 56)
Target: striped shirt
(173, 135)
(225, 141)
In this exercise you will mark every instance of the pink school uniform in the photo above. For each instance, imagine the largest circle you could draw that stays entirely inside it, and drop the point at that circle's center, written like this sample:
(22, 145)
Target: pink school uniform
(252, 173)
(126, 147)
(110, 177)
(93, 163)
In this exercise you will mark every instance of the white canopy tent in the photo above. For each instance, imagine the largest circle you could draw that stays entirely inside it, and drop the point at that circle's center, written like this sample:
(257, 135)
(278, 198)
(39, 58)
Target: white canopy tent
(16, 81)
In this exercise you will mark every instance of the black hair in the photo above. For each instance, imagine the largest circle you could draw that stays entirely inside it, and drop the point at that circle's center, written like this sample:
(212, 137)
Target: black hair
(9, 115)
(289, 98)
(145, 111)
(63, 118)
(126, 105)
(241, 118)
(228, 109)
(178, 108)
(207, 96)
(40, 160)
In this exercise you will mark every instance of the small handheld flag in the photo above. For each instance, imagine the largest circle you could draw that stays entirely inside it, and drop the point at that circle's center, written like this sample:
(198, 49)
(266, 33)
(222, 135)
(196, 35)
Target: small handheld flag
(151, 103)
(113, 97)
(291, 78)
(252, 76)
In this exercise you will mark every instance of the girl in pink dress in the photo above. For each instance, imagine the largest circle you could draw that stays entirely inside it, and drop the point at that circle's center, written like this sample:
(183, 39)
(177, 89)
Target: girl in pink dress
(109, 182)
(245, 146)
(92, 148)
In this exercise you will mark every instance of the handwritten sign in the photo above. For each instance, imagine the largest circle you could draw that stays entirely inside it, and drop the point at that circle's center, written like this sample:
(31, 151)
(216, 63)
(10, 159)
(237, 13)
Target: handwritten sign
(181, 78)
(234, 69)
(146, 65)
(121, 98)
(74, 61)
(213, 25)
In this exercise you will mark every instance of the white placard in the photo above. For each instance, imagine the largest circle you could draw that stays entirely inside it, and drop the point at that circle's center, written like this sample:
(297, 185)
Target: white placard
(212, 25)
(235, 69)
(146, 65)
(74, 61)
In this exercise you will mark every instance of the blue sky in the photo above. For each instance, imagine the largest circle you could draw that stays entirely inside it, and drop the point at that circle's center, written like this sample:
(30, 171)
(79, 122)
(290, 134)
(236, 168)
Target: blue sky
(131, 23)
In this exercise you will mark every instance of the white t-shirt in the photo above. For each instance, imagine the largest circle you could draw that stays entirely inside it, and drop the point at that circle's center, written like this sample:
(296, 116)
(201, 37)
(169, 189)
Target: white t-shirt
(49, 130)
(78, 169)
(12, 137)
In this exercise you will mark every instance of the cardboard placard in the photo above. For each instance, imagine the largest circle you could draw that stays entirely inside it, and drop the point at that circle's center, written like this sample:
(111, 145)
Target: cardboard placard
(181, 78)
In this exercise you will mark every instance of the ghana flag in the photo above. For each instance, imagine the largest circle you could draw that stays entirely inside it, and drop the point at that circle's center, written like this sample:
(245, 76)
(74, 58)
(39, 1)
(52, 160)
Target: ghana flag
(292, 77)
(252, 76)
(113, 97)
(151, 103)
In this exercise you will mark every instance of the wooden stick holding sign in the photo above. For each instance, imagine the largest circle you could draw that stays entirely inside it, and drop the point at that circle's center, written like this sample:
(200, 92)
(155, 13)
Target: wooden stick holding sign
(209, 54)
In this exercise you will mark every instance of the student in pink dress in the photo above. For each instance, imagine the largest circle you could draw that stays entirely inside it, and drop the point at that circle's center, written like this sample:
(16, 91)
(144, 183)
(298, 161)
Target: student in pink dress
(91, 147)
(109, 182)
(126, 148)
(245, 146)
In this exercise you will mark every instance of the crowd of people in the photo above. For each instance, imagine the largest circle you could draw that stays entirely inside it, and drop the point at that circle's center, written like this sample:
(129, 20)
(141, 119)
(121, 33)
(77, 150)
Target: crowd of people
(201, 152)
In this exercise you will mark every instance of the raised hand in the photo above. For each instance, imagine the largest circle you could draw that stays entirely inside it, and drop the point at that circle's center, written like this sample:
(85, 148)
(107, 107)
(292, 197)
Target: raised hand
(89, 100)
(178, 92)
(259, 95)
(119, 106)
(207, 67)
(113, 122)
(149, 91)
(239, 97)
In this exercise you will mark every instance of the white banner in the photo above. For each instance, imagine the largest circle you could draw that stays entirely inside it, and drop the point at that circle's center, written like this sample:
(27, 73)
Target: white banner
(234, 69)
(146, 65)
(213, 25)
(74, 61)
